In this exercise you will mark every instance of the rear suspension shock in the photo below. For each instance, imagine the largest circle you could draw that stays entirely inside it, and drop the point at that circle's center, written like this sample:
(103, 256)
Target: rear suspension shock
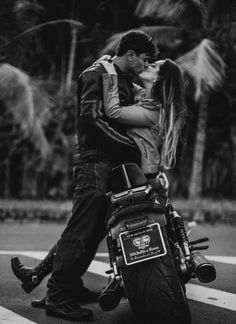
(112, 250)
(181, 234)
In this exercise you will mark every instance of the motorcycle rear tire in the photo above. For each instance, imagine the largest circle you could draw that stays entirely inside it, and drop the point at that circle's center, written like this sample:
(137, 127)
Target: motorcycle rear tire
(155, 292)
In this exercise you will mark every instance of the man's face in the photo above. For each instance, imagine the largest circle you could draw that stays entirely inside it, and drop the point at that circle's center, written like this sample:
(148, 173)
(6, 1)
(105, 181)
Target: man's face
(137, 63)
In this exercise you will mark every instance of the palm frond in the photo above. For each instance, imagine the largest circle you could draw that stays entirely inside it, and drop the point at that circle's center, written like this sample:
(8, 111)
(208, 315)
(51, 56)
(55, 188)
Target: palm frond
(27, 13)
(161, 35)
(23, 5)
(184, 13)
(197, 3)
(164, 35)
(165, 9)
(205, 66)
(222, 9)
(29, 106)
(73, 22)
(233, 32)
(112, 44)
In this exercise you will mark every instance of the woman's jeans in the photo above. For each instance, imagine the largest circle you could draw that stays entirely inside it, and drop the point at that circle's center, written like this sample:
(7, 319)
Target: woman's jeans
(83, 233)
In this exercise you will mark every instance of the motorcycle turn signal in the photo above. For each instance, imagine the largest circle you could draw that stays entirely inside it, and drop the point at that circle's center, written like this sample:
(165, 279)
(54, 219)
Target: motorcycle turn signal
(193, 245)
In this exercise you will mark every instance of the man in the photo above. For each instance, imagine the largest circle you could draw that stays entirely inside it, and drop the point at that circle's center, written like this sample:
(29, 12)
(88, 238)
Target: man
(101, 145)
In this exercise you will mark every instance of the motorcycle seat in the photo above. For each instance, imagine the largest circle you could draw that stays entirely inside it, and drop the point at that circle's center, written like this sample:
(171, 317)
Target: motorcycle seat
(127, 176)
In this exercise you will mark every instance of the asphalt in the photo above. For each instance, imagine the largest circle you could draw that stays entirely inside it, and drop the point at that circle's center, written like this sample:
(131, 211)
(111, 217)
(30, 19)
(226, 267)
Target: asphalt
(40, 237)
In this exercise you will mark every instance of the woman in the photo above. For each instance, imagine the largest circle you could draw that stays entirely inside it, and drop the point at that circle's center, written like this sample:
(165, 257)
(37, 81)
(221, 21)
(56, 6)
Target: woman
(155, 124)
(157, 119)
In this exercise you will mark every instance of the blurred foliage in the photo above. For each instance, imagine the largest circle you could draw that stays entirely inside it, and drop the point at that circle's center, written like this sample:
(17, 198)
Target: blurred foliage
(198, 210)
(36, 38)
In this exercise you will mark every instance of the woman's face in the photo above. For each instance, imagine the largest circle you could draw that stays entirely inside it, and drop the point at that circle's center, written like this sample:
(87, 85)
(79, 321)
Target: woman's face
(151, 73)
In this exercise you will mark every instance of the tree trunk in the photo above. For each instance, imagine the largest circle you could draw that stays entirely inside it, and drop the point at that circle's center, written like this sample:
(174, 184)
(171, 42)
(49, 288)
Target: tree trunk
(233, 143)
(116, 16)
(29, 189)
(63, 75)
(74, 33)
(7, 188)
(195, 185)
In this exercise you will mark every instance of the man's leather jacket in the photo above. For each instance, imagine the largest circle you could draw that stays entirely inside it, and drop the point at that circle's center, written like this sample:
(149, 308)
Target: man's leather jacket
(96, 134)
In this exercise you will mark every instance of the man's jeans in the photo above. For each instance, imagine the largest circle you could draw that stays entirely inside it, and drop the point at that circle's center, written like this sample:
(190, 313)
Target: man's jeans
(83, 233)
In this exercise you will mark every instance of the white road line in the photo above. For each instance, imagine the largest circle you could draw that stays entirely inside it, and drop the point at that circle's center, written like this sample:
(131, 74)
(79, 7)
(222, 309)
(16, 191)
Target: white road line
(194, 292)
(32, 254)
(99, 268)
(102, 254)
(8, 317)
(211, 296)
(222, 259)
(41, 254)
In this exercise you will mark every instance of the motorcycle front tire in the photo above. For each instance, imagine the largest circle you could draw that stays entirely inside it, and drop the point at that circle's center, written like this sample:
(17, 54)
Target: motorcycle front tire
(154, 290)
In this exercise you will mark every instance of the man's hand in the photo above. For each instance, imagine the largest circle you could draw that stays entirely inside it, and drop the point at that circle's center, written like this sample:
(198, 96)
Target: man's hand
(103, 58)
(162, 177)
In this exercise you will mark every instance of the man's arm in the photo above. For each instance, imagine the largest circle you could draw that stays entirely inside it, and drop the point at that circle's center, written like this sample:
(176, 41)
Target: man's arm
(91, 114)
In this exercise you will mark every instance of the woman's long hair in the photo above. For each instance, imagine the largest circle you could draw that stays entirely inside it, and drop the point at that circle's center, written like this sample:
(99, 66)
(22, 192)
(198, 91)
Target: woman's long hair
(169, 90)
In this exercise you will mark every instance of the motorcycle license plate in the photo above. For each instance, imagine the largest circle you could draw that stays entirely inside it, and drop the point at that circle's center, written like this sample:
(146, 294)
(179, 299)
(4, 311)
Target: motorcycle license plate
(143, 244)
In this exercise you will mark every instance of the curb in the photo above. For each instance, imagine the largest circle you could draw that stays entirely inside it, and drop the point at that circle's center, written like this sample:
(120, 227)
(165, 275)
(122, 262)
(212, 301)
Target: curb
(200, 211)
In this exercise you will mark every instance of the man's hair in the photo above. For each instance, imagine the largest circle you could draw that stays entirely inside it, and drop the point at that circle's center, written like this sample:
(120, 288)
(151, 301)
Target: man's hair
(138, 41)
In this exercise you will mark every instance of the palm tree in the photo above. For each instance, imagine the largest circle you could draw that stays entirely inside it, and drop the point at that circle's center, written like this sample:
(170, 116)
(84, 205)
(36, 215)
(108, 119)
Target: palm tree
(75, 26)
(22, 96)
(29, 106)
(27, 100)
(200, 30)
(25, 106)
(207, 69)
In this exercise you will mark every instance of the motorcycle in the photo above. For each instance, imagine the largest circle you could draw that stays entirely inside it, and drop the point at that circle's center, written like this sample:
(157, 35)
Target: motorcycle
(150, 255)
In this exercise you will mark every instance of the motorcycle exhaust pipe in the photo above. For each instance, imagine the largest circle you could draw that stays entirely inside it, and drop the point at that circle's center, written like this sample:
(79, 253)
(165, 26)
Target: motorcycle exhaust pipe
(203, 269)
(110, 297)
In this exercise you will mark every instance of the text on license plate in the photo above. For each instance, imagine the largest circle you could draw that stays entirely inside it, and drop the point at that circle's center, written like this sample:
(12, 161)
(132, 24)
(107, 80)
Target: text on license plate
(142, 244)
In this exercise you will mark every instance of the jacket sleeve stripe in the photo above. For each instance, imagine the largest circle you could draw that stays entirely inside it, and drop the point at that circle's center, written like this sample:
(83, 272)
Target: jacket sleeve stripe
(111, 133)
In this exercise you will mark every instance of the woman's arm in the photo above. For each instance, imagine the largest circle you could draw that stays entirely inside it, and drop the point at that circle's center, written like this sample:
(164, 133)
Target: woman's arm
(137, 116)
(139, 92)
(143, 114)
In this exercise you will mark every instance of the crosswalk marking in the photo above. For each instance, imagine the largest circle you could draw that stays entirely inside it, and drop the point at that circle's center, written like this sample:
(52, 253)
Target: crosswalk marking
(216, 258)
(8, 317)
(32, 254)
(222, 259)
(41, 254)
(194, 292)
(211, 296)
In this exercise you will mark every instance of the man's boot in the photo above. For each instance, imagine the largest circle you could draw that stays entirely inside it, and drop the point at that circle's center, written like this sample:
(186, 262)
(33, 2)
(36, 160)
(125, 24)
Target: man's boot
(69, 311)
(31, 277)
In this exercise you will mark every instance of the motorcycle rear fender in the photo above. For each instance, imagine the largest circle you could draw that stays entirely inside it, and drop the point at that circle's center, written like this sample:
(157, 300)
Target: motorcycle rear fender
(137, 220)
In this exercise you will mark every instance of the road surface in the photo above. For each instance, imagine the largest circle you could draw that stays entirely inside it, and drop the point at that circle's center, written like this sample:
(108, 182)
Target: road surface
(209, 303)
